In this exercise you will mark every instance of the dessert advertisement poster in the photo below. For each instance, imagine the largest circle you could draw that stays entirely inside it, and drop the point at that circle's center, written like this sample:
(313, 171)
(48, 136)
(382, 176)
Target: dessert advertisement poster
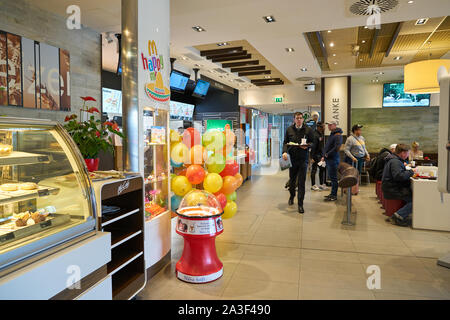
(3, 73)
(33, 75)
(29, 73)
(14, 70)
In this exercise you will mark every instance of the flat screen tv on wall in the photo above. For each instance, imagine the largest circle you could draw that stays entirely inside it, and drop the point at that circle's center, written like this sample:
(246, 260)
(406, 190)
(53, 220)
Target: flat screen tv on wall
(395, 96)
(178, 81)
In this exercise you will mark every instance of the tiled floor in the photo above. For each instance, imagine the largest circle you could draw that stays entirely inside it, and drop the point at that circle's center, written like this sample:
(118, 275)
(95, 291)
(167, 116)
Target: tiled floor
(270, 251)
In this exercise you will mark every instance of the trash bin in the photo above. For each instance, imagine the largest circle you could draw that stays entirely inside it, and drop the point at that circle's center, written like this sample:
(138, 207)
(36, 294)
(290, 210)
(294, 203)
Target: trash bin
(199, 222)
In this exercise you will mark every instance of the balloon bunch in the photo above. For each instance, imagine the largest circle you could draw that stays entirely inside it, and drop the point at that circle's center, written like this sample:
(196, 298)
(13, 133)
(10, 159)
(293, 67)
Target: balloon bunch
(191, 154)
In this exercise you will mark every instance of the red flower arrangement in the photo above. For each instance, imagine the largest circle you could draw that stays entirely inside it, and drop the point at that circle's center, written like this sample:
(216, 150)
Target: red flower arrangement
(92, 135)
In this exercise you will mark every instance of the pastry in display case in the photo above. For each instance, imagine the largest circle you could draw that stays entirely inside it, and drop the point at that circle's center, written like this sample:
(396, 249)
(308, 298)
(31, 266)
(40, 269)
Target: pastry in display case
(46, 197)
(156, 166)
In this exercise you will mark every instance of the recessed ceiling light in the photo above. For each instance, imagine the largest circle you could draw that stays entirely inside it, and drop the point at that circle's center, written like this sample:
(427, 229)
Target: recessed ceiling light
(198, 29)
(184, 58)
(331, 44)
(379, 73)
(334, 54)
(410, 2)
(329, 31)
(304, 69)
(422, 21)
(364, 41)
(335, 63)
(290, 49)
(267, 77)
(269, 19)
(397, 58)
(223, 44)
(366, 27)
(361, 60)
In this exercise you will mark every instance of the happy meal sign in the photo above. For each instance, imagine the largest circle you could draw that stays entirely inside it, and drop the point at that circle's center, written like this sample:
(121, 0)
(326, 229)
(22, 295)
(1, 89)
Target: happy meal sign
(154, 63)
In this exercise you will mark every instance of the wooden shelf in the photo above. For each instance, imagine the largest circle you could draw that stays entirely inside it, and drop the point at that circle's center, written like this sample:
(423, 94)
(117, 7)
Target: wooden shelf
(120, 262)
(22, 158)
(113, 217)
(117, 240)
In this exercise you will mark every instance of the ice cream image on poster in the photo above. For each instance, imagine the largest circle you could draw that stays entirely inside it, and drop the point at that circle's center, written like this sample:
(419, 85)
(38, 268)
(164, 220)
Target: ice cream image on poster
(50, 99)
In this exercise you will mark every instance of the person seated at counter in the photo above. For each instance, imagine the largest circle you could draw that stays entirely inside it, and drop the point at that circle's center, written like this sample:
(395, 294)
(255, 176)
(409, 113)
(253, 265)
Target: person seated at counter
(377, 166)
(396, 184)
(415, 153)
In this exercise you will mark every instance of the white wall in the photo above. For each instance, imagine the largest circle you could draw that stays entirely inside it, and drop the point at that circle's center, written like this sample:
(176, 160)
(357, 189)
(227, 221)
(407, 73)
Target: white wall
(293, 95)
(371, 96)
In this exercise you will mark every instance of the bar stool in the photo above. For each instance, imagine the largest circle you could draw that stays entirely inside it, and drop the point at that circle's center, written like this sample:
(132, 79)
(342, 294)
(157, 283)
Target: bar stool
(392, 205)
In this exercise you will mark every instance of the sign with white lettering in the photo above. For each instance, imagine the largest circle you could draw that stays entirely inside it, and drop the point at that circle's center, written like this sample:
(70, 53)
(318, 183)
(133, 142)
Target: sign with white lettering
(336, 102)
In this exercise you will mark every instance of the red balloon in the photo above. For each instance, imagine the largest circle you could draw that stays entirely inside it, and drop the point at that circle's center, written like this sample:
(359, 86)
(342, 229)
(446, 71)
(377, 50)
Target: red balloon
(191, 137)
(182, 172)
(222, 199)
(231, 169)
(195, 174)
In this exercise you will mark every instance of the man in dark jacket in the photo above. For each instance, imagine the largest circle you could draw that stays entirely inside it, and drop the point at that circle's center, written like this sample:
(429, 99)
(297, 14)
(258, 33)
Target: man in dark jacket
(299, 153)
(331, 156)
(316, 155)
(380, 162)
(396, 183)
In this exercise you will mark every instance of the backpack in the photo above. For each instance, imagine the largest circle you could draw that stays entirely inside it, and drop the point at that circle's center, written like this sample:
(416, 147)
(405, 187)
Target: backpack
(373, 167)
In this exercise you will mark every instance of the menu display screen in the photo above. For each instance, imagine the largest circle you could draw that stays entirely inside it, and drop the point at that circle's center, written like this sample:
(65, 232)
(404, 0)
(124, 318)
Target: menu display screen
(395, 96)
(201, 89)
(178, 81)
(181, 111)
(112, 101)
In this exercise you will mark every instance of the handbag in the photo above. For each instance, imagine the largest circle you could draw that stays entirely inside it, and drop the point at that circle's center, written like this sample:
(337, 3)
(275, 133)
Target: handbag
(285, 164)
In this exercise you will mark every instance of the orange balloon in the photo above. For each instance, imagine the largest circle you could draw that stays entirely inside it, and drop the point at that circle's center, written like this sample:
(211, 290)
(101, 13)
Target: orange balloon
(198, 154)
(230, 184)
(195, 174)
(239, 178)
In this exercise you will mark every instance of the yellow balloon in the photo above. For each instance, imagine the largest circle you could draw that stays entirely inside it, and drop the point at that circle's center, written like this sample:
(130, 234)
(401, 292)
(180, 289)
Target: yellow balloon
(181, 185)
(213, 182)
(230, 210)
(196, 199)
(179, 153)
(175, 136)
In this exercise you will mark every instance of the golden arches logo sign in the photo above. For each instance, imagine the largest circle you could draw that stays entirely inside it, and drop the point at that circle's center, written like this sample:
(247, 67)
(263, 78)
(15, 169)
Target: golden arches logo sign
(154, 64)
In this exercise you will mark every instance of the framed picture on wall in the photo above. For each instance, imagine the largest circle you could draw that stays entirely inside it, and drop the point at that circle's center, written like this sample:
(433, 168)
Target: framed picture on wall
(64, 73)
(29, 73)
(3, 71)
(14, 70)
(50, 91)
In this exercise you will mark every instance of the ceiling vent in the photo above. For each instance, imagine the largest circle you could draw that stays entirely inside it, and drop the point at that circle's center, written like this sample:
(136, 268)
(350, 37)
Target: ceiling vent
(370, 7)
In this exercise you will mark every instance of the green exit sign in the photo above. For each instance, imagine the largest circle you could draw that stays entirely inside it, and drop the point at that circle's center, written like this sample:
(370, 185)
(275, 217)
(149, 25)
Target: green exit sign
(278, 99)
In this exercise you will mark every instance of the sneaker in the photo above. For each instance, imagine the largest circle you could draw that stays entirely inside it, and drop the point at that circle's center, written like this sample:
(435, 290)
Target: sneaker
(327, 196)
(399, 217)
(323, 187)
(315, 188)
(331, 198)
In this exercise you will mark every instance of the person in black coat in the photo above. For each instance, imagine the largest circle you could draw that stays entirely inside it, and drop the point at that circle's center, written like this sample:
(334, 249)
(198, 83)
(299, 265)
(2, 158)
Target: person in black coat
(331, 156)
(299, 156)
(396, 183)
(377, 171)
(316, 155)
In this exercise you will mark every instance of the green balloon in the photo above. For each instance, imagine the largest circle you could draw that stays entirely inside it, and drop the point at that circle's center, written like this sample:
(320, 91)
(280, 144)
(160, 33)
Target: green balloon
(215, 163)
(213, 139)
(232, 196)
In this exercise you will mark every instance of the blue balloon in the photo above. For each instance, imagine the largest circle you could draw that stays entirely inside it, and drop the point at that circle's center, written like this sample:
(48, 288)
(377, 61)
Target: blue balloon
(175, 164)
(175, 201)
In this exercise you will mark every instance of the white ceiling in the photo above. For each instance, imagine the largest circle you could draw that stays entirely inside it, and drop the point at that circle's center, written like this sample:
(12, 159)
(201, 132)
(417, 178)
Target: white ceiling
(242, 19)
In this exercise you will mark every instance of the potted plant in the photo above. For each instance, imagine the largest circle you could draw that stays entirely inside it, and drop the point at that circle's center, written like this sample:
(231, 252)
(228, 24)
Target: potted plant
(91, 135)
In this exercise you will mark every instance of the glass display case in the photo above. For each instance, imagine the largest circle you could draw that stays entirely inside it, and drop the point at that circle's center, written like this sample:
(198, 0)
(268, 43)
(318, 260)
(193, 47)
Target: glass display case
(156, 165)
(46, 197)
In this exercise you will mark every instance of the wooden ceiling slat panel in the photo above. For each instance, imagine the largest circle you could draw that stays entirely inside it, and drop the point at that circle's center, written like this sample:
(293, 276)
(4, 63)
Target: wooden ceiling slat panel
(409, 41)
(440, 40)
(388, 29)
(239, 53)
(240, 63)
(375, 61)
(242, 57)
(220, 51)
(424, 54)
(254, 73)
(265, 80)
(445, 25)
(262, 84)
(244, 69)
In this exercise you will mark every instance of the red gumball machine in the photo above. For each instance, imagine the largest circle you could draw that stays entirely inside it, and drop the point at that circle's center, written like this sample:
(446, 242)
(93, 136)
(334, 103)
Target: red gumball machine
(199, 222)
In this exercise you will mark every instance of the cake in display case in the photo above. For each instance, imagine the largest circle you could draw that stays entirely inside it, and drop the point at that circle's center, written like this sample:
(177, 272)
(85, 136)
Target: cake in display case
(46, 197)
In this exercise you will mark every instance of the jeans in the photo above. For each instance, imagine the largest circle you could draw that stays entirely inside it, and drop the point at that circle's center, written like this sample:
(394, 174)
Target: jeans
(406, 210)
(313, 174)
(332, 165)
(297, 174)
(359, 164)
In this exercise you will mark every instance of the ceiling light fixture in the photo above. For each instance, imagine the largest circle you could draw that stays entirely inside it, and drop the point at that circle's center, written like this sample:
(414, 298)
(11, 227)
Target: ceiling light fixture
(222, 44)
(290, 49)
(410, 2)
(366, 27)
(397, 58)
(269, 19)
(420, 77)
(304, 69)
(334, 54)
(364, 41)
(267, 77)
(331, 44)
(198, 29)
(329, 31)
(335, 63)
(421, 22)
